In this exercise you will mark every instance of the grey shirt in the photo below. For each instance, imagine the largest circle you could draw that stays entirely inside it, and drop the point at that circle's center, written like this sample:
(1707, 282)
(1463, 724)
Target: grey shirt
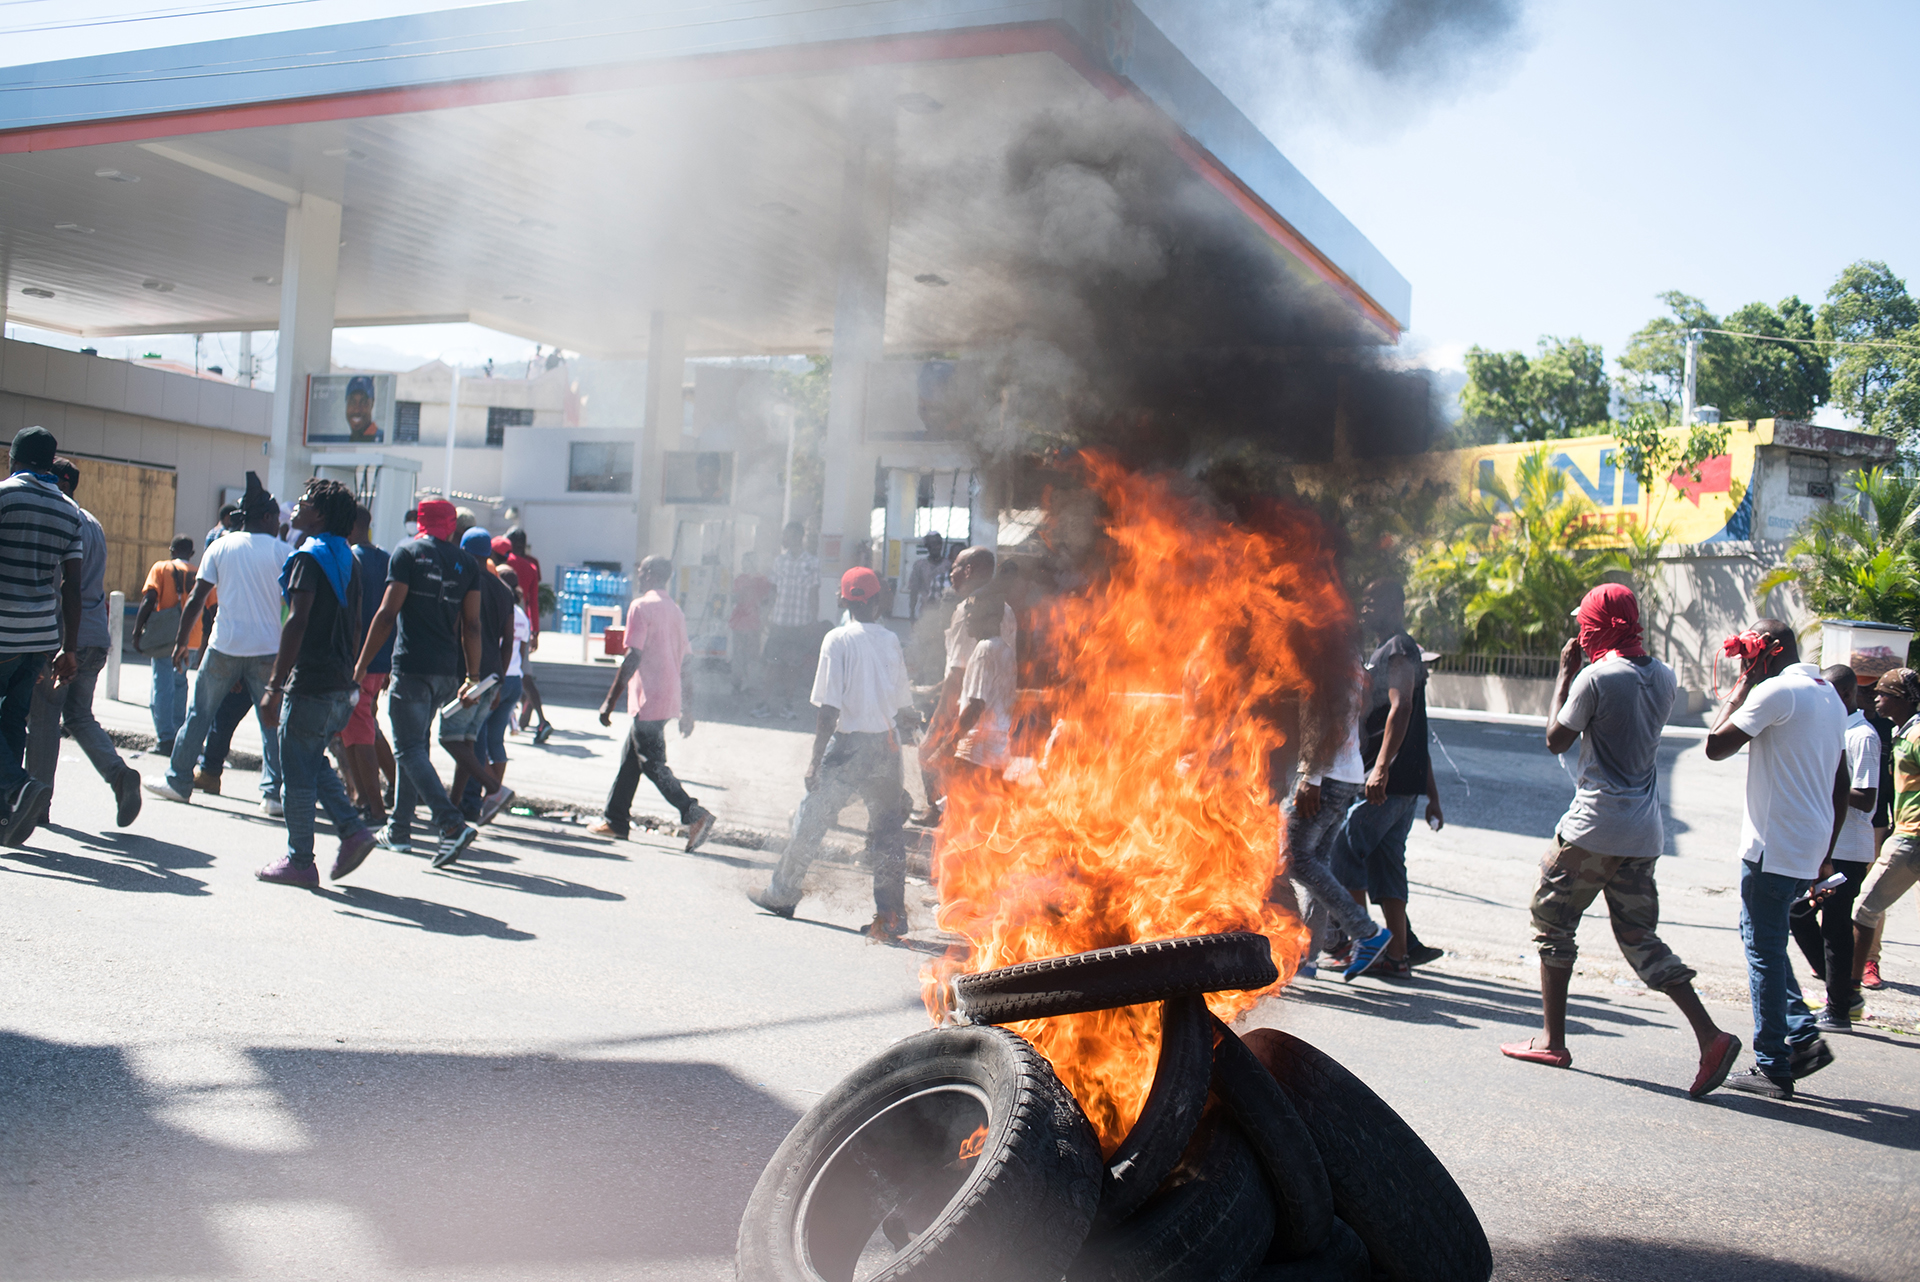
(93, 582)
(1619, 707)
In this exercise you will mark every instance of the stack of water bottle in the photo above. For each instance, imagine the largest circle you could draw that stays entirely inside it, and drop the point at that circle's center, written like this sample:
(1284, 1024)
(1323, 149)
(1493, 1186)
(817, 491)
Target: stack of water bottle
(581, 587)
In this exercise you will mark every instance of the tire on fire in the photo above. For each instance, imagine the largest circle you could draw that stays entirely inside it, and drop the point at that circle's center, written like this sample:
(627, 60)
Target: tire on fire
(1173, 1108)
(1128, 975)
(1387, 1184)
(954, 1155)
(1303, 1201)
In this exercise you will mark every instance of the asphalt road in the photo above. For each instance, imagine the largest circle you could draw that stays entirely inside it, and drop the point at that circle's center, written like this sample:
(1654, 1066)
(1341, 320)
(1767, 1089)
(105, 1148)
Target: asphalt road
(568, 1059)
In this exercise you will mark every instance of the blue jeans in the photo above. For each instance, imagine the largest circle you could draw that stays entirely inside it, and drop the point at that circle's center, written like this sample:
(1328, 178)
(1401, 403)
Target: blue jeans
(18, 675)
(492, 746)
(1370, 850)
(1309, 847)
(1781, 1021)
(307, 723)
(169, 699)
(216, 677)
(71, 706)
(410, 710)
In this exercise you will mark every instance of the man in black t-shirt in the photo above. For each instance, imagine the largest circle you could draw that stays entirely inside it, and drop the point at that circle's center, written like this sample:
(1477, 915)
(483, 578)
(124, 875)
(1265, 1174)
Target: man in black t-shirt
(312, 683)
(433, 595)
(1370, 851)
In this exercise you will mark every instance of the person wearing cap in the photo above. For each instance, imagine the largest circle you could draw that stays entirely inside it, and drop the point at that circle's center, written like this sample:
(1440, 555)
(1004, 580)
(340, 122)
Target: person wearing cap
(1612, 838)
(361, 429)
(70, 705)
(43, 546)
(1896, 695)
(245, 566)
(866, 711)
(659, 687)
(1796, 805)
(433, 600)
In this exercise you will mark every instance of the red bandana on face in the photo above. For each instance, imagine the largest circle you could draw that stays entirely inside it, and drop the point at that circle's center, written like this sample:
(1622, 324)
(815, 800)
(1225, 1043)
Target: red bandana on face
(1609, 621)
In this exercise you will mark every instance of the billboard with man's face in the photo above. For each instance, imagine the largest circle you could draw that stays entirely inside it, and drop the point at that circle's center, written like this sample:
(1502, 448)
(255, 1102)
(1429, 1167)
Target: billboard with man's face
(349, 409)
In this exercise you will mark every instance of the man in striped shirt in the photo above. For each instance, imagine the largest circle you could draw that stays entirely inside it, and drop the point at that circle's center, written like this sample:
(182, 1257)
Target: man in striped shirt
(792, 640)
(40, 555)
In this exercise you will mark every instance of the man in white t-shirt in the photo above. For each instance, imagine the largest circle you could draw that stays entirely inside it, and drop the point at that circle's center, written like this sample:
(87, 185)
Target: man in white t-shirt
(973, 569)
(1611, 837)
(245, 565)
(987, 690)
(1797, 791)
(861, 689)
(1824, 930)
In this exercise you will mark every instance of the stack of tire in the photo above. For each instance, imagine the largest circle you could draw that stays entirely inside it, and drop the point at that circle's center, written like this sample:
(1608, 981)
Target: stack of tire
(957, 1155)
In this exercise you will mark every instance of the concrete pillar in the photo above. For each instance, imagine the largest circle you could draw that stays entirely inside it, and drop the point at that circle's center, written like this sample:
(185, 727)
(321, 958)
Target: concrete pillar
(859, 324)
(309, 267)
(659, 432)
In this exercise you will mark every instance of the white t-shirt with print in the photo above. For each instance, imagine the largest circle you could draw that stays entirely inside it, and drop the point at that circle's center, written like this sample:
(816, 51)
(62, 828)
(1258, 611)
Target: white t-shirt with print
(1798, 725)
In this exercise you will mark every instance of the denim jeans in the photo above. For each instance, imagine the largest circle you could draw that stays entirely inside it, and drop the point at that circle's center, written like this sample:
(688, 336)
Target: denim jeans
(492, 745)
(410, 711)
(18, 673)
(868, 764)
(70, 705)
(168, 695)
(307, 723)
(1781, 1021)
(645, 753)
(1309, 846)
(216, 677)
(1370, 850)
(227, 717)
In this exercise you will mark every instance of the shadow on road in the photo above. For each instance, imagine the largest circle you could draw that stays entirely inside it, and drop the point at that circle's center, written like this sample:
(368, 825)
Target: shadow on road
(532, 883)
(152, 870)
(419, 914)
(410, 1161)
(1627, 1259)
(1460, 1002)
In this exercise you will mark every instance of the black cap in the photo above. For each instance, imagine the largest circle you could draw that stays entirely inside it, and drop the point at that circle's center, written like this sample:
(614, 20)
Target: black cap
(256, 500)
(34, 448)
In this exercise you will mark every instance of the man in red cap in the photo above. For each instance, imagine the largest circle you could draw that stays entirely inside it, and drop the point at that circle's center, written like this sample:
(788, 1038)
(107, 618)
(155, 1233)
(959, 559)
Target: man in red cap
(866, 711)
(1612, 836)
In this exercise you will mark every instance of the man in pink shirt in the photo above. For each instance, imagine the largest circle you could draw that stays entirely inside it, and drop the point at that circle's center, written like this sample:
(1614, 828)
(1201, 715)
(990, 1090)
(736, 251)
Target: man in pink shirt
(659, 688)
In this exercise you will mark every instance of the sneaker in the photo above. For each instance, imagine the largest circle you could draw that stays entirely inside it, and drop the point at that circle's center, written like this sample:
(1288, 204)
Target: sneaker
(887, 928)
(760, 899)
(454, 843)
(24, 816)
(1870, 977)
(699, 828)
(1832, 1021)
(207, 782)
(544, 733)
(354, 849)
(1389, 968)
(1366, 953)
(387, 841)
(271, 807)
(284, 872)
(1811, 1058)
(161, 788)
(493, 803)
(607, 830)
(1419, 954)
(1754, 1082)
(1859, 1008)
(126, 792)
(1307, 970)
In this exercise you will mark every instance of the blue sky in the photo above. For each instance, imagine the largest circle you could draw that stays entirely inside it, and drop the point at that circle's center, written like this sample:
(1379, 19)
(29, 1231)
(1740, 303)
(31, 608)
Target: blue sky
(1551, 180)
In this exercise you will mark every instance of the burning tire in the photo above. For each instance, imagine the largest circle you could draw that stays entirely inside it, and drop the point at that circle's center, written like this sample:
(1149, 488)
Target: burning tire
(1174, 1104)
(1387, 1184)
(1212, 1219)
(1129, 975)
(954, 1155)
(1303, 1200)
(1343, 1260)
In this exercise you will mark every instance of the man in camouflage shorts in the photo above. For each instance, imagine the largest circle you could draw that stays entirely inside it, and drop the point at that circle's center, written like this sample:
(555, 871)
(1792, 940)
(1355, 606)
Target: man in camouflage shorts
(1611, 836)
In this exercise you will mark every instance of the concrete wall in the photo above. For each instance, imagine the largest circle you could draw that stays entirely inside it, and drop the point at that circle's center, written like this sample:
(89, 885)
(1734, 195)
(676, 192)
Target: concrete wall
(565, 528)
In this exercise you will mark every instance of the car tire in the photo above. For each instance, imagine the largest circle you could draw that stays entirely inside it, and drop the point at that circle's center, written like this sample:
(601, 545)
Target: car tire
(1174, 1105)
(1343, 1259)
(1213, 1219)
(1303, 1200)
(1127, 975)
(1386, 1183)
(955, 1155)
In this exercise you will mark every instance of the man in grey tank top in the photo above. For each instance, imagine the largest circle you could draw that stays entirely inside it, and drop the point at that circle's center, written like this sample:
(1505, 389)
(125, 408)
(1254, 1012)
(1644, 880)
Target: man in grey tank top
(1612, 835)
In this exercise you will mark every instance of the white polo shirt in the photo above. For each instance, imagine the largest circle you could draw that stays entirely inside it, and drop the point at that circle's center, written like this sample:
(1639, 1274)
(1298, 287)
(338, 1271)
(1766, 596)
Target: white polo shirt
(1799, 726)
(863, 673)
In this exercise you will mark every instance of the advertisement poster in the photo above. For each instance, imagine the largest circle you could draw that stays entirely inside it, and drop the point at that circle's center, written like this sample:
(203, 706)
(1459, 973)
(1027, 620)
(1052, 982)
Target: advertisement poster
(690, 476)
(349, 409)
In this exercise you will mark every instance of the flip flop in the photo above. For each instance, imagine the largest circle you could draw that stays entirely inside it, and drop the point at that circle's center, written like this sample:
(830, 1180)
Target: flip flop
(1715, 1065)
(1552, 1059)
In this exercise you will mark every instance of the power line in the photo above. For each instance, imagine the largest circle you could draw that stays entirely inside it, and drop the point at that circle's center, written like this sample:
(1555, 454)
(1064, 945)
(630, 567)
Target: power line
(148, 15)
(1809, 342)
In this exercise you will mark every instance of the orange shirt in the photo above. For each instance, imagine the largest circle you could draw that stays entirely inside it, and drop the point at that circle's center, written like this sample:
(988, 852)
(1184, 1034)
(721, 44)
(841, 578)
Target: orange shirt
(162, 580)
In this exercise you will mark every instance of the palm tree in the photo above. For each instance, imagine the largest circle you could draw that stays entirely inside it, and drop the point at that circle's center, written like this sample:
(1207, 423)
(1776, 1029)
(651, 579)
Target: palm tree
(1851, 563)
(1515, 564)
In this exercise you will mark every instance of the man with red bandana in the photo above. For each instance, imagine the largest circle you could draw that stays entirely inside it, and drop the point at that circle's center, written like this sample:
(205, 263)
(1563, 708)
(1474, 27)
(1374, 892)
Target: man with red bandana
(1612, 836)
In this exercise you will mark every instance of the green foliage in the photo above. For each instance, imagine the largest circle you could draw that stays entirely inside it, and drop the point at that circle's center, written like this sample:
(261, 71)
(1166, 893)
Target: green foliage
(1879, 386)
(1851, 564)
(1653, 452)
(1559, 392)
(1653, 368)
(1772, 380)
(1514, 563)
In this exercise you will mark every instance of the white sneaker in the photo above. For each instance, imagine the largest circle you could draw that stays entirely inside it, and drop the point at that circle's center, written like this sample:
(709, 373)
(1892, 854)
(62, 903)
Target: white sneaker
(161, 788)
(271, 808)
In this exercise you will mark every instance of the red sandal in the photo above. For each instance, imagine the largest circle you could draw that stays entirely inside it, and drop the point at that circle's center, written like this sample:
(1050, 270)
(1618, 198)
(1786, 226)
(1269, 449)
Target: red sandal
(1527, 1051)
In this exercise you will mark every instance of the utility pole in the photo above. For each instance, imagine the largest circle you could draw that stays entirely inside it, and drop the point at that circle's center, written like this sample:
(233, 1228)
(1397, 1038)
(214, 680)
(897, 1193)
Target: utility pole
(246, 358)
(453, 424)
(1693, 367)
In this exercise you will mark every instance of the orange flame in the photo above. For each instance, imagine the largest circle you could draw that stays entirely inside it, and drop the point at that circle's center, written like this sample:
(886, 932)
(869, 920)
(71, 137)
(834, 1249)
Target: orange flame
(1151, 815)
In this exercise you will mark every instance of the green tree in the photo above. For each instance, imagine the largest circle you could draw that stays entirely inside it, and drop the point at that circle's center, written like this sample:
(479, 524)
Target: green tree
(1653, 367)
(1515, 562)
(1772, 380)
(1559, 392)
(1879, 386)
(1855, 564)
